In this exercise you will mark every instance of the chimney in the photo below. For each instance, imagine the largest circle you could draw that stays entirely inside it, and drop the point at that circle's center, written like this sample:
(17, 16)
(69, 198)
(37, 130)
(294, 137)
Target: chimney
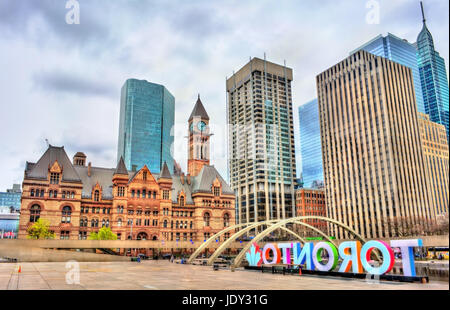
(188, 179)
(89, 169)
(182, 178)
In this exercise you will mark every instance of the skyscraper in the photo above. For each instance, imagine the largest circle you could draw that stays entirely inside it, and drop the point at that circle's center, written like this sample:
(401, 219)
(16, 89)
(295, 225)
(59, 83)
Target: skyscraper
(433, 77)
(435, 149)
(147, 113)
(401, 51)
(374, 169)
(261, 141)
(310, 146)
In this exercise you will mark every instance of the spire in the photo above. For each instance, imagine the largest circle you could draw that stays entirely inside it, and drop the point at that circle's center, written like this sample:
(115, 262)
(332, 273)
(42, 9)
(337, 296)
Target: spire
(423, 12)
(121, 168)
(165, 173)
(199, 110)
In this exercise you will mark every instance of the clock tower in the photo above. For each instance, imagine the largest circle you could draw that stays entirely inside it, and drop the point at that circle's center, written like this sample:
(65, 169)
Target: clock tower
(198, 139)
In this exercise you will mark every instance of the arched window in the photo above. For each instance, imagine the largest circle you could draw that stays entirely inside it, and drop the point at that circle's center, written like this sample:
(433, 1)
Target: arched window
(119, 222)
(144, 193)
(132, 193)
(181, 201)
(176, 224)
(42, 193)
(142, 236)
(66, 214)
(190, 225)
(35, 213)
(55, 194)
(96, 195)
(165, 224)
(32, 192)
(72, 195)
(226, 220)
(103, 223)
(50, 194)
(206, 219)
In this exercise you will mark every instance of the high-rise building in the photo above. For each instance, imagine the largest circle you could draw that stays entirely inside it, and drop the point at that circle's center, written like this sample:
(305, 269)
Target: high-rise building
(9, 212)
(310, 146)
(401, 51)
(374, 168)
(198, 139)
(435, 148)
(261, 141)
(433, 77)
(147, 114)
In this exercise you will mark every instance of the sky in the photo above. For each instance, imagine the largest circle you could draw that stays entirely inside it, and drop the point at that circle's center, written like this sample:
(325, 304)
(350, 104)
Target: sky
(61, 82)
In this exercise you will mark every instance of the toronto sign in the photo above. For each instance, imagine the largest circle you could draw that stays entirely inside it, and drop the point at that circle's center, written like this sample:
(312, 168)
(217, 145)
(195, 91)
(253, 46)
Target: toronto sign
(354, 256)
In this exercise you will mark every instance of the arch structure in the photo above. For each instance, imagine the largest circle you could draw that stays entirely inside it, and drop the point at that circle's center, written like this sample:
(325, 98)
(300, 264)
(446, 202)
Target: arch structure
(272, 226)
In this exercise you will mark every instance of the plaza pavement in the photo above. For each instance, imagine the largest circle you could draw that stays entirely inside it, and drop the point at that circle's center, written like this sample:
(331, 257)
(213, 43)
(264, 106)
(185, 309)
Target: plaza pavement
(163, 275)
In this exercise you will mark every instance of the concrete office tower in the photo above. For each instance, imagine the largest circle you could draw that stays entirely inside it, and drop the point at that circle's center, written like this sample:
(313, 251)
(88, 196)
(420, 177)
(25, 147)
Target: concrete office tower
(433, 77)
(261, 141)
(374, 167)
(147, 114)
(310, 146)
(435, 148)
(401, 51)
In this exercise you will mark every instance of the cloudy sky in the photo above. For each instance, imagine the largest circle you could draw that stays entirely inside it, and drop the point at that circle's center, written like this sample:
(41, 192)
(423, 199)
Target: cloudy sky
(62, 81)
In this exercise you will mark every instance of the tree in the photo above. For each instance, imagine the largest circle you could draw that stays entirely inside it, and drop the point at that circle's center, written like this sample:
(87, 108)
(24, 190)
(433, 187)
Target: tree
(39, 230)
(104, 233)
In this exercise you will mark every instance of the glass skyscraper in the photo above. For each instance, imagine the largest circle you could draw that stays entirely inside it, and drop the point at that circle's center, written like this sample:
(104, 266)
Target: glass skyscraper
(402, 52)
(147, 114)
(310, 145)
(433, 77)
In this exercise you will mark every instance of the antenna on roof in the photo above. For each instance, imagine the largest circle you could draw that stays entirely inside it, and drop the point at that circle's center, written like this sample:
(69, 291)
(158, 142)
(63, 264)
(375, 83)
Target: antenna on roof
(46, 141)
(423, 13)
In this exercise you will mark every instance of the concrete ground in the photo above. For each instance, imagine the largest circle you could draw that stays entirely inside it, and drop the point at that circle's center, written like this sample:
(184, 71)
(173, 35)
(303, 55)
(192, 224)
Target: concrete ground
(162, 275)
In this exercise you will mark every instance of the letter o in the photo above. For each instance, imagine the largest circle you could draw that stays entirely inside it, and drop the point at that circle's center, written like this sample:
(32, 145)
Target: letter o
(387, 253)
(276, 254)
(332, 254)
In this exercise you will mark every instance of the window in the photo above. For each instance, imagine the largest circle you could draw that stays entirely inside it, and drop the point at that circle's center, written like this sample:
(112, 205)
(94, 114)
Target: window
(42, 193)
(181, 201)
(165, 194)
(206, 219)
(64, 235)
(32, 192)
(63, 195)
(132, 193)
(35, 213)
(121, 191)
(96, 195)
(66, 214)
(216, 191)
(144, 175)
(226, 220)
(55, 194)
(84, 222)
(165, 224)
(72, 195)
(144, 192)
(82, 235)
(119, 222)
(54, 178)
(94, 223)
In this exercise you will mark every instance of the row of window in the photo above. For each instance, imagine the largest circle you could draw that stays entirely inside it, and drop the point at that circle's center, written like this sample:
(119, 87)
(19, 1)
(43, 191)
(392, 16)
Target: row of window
(38, 192)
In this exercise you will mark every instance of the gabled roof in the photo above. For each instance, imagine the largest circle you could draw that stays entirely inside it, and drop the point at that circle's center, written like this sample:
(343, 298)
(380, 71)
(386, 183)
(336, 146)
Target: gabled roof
(121, 168)
(165, 173)
(204, 180)
(199, 110)
(53, 153)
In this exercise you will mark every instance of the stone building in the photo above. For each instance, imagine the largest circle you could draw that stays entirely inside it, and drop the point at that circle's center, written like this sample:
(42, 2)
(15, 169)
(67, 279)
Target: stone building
(79, 199)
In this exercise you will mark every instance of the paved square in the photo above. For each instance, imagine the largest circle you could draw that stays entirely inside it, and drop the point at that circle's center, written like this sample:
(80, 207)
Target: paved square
(163, 275)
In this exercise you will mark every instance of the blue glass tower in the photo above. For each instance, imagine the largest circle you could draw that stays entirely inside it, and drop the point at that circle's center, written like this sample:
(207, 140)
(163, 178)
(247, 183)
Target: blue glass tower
(147, 115)
(310, 145)
(400, 51)
(433, 77)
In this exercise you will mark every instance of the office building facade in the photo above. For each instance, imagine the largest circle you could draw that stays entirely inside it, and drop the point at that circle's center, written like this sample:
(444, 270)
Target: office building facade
(311, 202)
(374, 168)
(435, 148)
(433, 78)
(310, 145)
(147, 115)
(9, 211)
(261, 151)
(401, 51)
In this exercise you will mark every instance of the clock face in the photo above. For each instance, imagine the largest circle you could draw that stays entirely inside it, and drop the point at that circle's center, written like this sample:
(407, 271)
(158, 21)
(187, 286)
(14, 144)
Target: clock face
(201, 126)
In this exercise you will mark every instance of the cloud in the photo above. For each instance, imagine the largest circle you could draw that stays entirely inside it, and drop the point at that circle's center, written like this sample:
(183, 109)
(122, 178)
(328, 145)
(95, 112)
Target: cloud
(62, 82)
(68, 82)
